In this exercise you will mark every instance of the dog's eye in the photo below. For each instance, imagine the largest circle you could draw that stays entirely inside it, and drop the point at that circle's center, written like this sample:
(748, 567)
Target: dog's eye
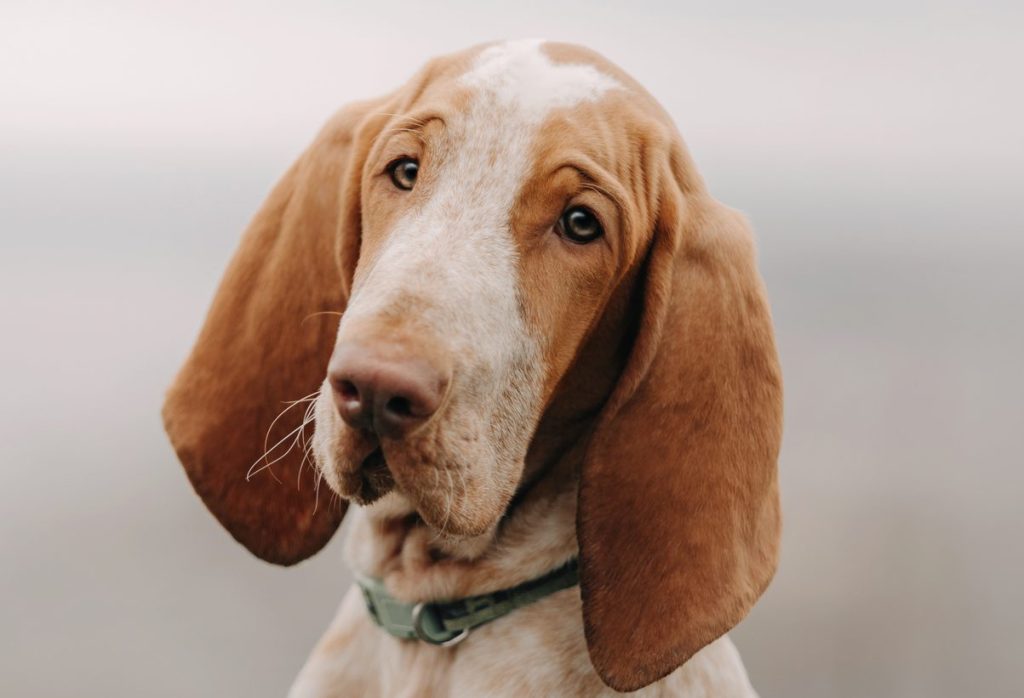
(403, 172)
(580, 225)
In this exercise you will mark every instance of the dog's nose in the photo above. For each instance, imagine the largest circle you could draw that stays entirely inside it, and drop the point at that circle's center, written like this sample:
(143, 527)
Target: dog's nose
(384, 391)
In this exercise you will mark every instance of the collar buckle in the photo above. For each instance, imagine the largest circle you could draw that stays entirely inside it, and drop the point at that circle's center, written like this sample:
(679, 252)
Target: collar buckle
(419, 611)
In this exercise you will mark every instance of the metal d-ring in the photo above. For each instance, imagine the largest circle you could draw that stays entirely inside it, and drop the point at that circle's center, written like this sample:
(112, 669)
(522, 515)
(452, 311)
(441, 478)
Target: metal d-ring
(417, 618)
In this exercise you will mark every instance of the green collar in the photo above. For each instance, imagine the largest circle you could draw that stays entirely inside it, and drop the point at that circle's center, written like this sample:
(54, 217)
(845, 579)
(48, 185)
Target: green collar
(448, 622)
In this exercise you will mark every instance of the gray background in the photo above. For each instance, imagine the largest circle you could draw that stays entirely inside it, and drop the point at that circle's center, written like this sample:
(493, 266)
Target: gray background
(876, 146)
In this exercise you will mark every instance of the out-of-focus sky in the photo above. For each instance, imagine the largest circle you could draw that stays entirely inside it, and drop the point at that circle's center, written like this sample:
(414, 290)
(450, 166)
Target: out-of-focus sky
(876, 146)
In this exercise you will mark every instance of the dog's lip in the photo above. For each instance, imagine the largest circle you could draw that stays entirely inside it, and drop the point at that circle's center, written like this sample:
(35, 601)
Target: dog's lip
(375, 479)
(374, 461)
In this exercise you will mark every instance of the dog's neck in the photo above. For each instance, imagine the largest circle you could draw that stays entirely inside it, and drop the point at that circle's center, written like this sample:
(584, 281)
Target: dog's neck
(536, 534)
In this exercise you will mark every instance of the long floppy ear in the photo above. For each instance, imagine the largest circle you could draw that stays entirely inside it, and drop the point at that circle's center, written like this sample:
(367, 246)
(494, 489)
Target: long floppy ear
(678, 518)
(266, 342)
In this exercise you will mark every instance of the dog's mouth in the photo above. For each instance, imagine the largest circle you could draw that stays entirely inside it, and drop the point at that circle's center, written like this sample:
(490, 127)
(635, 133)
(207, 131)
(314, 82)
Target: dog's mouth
(367, 477)
(375, 479)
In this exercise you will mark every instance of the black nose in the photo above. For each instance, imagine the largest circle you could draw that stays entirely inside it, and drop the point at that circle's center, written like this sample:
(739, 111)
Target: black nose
(391, 395)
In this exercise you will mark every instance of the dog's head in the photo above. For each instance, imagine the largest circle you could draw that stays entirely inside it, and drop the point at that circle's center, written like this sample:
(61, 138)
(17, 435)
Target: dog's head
(516, 238)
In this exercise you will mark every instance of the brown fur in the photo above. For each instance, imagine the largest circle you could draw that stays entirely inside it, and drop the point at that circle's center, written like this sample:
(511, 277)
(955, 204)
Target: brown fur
(662, 394)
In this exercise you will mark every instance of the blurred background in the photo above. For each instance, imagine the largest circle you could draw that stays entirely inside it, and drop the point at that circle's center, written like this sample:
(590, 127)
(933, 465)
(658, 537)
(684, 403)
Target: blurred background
(876, 146)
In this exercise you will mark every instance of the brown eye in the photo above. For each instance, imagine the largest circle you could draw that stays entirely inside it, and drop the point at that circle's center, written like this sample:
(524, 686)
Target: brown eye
(580, 225)
(403, 172)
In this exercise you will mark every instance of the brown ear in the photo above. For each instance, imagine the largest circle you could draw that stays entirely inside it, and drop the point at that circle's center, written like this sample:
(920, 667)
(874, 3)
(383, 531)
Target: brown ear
(263, 344)
(678, 519)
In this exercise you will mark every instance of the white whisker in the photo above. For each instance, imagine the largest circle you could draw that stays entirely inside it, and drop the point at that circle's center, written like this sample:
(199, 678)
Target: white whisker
(304, 442)
(316, 491)
(448, 504)
(296, 435)
(322, 312)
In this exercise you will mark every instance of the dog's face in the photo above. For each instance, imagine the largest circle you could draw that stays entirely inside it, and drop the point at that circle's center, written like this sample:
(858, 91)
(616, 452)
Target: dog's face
(494, 227)
(520, 251)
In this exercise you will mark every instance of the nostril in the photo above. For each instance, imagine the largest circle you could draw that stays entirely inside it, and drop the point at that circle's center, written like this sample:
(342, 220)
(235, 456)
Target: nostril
(347, 390)
(399, 406)
(383, 390)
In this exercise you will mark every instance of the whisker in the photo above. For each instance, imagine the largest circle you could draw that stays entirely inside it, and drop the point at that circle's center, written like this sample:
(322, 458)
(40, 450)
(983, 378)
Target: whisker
(436, 488)
(316, 491)
(291, 404)
(279, 458)
(312, 396)
(307, 417)
(297, 434)
(462, 484)
(448, 507)
(322, 312)
(307, 455)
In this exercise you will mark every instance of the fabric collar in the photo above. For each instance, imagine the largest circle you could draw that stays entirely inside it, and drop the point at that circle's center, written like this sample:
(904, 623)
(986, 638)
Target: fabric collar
(448, 622)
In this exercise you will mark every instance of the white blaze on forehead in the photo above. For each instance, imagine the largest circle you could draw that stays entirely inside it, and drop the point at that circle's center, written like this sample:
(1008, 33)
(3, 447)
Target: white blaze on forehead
(520, 75)
(514, 86)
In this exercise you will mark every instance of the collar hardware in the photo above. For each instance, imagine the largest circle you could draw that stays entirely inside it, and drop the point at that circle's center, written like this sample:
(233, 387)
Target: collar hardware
(417, 626)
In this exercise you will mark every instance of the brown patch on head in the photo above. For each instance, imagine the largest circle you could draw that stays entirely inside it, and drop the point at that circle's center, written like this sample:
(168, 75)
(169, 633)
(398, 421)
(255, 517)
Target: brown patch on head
(594, 156)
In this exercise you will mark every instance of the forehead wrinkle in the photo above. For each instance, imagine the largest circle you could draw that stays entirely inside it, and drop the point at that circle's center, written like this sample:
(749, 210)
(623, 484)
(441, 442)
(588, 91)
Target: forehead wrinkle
(412, 124)
(414, 132)
(595, 178)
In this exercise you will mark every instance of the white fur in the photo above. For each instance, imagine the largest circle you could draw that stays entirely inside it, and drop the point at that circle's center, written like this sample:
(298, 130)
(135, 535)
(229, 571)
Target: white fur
(520, 76)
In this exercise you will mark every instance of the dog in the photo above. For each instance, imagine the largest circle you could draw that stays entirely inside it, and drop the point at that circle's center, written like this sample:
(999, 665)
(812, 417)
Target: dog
(510, 326)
